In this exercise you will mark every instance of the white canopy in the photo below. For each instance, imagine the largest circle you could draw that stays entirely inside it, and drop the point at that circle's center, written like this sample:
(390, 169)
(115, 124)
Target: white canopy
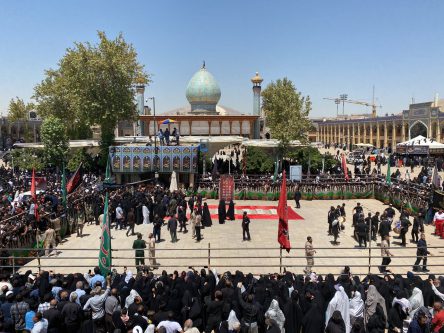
(270, 143)
(421, 142)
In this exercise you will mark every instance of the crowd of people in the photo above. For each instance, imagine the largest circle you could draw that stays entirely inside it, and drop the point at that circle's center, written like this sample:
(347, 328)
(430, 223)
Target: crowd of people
(205, 301)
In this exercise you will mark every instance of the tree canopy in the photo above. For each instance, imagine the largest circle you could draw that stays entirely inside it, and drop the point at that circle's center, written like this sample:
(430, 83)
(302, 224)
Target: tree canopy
(55, 140)
(18, 109)
(93, 85)
(258, 161)
(286, 112)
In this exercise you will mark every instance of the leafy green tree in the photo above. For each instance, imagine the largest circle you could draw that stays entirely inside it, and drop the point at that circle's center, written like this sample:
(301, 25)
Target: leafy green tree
(27, 159)
(93, 85)
(310, 156)
(79, 156)
(55, 140)
(18, 109)
(286, 112)
(258, 161)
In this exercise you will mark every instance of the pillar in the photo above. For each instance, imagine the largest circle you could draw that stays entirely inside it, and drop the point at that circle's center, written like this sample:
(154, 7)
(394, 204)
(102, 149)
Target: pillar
(348, 135)
(385, 135)
(365, 133)
(378, 139)
(394, 136)
(256, 80)
(140, 90)
(438, 131)
(359, 133)
(353, 133)
(402, 132)
(371, 133)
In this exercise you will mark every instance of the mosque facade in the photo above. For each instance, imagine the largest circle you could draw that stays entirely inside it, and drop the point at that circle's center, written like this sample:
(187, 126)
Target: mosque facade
(426, 119)
(203, 116)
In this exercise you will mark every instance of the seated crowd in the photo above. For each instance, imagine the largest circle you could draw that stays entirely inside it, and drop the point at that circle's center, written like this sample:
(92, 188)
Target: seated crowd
(192, 301)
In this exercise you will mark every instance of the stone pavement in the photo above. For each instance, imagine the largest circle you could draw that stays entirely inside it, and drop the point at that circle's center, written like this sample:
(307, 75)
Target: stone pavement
(226, 243)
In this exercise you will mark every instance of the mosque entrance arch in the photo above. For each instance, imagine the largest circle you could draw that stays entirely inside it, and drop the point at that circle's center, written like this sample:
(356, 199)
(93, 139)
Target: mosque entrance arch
(418, 128)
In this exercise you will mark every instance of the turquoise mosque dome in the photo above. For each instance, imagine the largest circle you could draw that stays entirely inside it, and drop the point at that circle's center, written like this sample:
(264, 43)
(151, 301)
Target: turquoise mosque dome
(203, 92)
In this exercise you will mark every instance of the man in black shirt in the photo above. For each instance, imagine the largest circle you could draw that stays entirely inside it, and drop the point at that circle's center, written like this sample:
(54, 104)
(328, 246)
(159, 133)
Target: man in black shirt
(384, 228)
(361, 230)
(390, 212)
(375, 225)
(246, 227)
(421, 254)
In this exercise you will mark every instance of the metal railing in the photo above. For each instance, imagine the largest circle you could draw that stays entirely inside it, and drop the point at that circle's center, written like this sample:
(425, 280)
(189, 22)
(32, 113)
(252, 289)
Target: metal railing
(256, 260)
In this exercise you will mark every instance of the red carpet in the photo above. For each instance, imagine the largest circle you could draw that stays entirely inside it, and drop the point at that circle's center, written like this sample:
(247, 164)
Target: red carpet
(257, 212)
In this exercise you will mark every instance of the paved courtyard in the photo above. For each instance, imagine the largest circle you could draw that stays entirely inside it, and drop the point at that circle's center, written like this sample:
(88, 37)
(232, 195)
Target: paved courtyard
(260, 255)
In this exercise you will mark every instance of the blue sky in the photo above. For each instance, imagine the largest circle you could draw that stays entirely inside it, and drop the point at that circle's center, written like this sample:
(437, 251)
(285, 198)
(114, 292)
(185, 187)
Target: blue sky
(325, 47)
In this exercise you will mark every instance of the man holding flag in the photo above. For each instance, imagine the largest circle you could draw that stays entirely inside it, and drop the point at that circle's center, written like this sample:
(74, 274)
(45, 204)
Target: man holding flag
(283, 235)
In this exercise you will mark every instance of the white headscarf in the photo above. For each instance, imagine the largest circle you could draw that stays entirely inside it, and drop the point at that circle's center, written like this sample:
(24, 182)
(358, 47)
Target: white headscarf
(274, 312)
(357, 306)
(416, 301)
(215, 275)
(405, 304)
(150, 328)
(339, 302)
(232, 320)
(128, 276)
(130, 298)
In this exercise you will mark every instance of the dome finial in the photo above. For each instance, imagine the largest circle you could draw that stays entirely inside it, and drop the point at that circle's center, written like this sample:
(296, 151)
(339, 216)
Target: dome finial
(203, 64)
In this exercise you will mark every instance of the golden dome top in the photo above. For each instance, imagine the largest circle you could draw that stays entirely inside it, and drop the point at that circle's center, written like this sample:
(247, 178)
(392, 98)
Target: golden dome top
(257, 78)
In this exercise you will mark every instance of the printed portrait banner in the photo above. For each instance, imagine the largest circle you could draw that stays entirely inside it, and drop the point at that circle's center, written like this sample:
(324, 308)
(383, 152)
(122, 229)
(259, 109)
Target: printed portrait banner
(138, 159)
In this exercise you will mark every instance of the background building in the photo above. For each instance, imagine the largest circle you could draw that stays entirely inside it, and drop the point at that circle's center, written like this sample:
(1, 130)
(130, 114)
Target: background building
(204, 116)
(426, 119)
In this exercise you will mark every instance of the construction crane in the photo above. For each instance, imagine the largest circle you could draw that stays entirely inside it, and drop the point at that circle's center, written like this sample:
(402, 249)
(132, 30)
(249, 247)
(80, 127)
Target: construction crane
(344, 99)
(372, 105)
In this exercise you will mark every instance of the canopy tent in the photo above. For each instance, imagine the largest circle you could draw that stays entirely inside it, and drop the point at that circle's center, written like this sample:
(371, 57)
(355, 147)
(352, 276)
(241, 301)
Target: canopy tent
(167, 121)
(270, 143)
(420, 145)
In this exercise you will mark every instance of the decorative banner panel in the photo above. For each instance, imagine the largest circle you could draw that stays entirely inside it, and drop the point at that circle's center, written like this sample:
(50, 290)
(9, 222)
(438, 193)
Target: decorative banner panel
(137, 159)
(226, 187)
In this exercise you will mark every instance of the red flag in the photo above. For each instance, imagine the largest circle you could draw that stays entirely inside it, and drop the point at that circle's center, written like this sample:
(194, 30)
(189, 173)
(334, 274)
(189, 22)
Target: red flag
(283, 235)
(34, 195)
(344, 167)
(74, 181)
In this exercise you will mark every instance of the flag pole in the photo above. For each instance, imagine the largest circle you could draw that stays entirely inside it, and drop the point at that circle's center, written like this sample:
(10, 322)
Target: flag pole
(280, 260)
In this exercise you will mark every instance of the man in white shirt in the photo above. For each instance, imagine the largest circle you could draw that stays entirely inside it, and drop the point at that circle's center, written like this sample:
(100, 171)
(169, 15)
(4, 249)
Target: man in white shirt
(438, 221)
(170, 325)
(119, 217)
(146, 214)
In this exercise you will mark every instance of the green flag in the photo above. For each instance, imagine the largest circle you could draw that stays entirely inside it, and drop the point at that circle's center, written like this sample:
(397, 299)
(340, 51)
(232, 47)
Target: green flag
(64, 198)
(388, 178)
(105, 240)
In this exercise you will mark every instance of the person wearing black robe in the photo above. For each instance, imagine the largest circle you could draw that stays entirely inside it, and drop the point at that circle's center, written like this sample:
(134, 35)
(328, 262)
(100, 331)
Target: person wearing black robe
(230, 212)
(313, 320)
(336, 323)
(293, 313)
(222, 212)
(206, 216)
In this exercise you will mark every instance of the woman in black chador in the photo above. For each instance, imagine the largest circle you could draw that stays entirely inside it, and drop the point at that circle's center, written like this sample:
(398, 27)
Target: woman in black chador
(222, 212)
(206, 216)
(230, 212)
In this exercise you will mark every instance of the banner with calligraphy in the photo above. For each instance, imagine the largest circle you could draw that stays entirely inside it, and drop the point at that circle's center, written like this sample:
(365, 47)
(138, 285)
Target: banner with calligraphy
(138, 159)
(226, 187)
